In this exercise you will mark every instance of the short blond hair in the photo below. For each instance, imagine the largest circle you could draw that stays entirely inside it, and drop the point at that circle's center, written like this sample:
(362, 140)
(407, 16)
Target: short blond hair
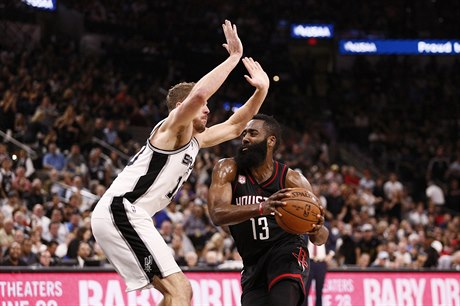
(178, 93)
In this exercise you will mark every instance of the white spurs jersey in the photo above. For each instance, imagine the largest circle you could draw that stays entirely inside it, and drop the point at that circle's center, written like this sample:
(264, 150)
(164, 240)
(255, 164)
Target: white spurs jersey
(153, 176)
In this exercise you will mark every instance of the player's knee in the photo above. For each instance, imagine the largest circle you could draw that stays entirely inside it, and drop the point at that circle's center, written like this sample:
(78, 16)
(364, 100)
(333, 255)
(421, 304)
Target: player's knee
(177, 286)
(187, 291)
(184, 289)
(286, 292)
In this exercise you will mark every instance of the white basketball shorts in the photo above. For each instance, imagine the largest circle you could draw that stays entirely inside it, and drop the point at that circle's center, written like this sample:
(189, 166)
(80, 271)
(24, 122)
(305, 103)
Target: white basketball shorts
(131, 242)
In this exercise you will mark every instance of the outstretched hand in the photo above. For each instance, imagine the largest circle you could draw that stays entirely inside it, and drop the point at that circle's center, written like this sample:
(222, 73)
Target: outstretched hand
(257, 76)
(233, 45)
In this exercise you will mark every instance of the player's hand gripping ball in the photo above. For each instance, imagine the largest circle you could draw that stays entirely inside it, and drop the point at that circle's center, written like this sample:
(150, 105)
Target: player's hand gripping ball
(300, 213)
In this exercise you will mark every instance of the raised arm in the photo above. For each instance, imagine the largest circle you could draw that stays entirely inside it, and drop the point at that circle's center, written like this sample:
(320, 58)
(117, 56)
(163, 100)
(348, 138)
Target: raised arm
(220, 206)
(234, 125)
(209, 83)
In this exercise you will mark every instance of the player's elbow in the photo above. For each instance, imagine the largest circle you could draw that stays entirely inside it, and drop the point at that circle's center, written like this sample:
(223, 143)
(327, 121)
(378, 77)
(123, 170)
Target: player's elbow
(236, 129)
(199, 95)
(216, 220)
(217, 217)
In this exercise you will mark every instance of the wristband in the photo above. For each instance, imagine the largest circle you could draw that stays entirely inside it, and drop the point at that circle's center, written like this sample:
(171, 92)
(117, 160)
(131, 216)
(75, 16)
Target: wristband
(261, 209)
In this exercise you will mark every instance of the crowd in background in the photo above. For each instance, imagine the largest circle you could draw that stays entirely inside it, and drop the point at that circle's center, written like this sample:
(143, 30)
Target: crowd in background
(399, 114)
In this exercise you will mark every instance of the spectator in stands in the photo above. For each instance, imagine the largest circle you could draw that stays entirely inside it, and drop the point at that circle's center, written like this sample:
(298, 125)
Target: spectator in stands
(48, 109)
(368, 243)
(52, 247)
(6, 234)
(36, 239)
(191, 258)
(50, 137)
(86, 128)
(21, 222)
(57, 215)
(166, 231)
(350, 177)
(369, 202)
(21, 183)
(96, 167)
(450, 262)
(335, 201)
(438, 167)
(28, 256)
(333, 175)
(54, 203)
(99, 126)
(392, 187)
(11, 204)
(433, 249)
(82, 194)
(364, 261)
(52, 184)
(382, 260)
(215, 244)
(36, 195)
(346, 246)
(67, 128)
(110, 134)
(83, 254)
(178, 248)
(403, 258)
(187, 244)
(418, 216)
(174, 214)
(198, 227)
(75, 161)
(23, 160)
(8, 109)
(36, 130)
(53, 159)
(211, 259)
(113, 165)
(233, 261)
(83, 234)
(435, 195)
(14, 256)
(19, 236)
(54, 232)
(20, 126)
(393, 207)
(44, 260)
(366, 181)
(185, 195)
(6, 177)
(123, 133)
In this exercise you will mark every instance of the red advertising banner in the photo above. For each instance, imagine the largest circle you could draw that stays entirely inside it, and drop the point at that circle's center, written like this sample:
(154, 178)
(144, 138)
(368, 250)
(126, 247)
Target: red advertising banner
(223, 289)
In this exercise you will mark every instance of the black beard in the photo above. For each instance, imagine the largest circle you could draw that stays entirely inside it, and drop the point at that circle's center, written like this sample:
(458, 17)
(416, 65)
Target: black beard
(253, 157)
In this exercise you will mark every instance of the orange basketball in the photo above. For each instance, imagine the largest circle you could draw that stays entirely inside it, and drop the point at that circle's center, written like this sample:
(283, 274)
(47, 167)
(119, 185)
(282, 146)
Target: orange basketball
(300, 213)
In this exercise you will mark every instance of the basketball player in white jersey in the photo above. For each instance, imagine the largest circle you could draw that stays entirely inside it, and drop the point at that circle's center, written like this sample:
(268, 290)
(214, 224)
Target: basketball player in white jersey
(121, 221)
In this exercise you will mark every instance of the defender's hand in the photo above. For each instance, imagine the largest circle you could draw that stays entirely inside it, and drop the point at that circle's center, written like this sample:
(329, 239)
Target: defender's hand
(257, 76)
(233, 45)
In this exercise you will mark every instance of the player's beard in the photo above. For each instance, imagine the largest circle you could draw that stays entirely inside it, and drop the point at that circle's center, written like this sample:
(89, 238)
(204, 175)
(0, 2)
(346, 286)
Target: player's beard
(253, 157)
(198, 126)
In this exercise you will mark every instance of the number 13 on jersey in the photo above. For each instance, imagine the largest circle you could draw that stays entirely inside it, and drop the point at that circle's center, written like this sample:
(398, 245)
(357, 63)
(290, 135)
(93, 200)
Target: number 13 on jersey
(260, 229)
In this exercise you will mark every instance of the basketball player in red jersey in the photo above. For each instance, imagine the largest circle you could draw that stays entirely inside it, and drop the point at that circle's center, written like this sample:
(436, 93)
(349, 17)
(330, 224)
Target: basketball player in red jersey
(244, 194)
(121, 221)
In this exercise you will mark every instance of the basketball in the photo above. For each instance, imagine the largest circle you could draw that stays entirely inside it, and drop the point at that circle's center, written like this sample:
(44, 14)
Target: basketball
(300, 213)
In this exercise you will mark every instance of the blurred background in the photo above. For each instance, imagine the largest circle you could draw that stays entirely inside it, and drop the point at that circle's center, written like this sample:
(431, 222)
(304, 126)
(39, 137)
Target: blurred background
(367, 93)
